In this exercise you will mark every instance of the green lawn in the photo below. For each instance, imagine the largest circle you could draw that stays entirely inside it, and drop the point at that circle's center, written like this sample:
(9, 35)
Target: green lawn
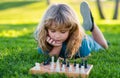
(18, 49)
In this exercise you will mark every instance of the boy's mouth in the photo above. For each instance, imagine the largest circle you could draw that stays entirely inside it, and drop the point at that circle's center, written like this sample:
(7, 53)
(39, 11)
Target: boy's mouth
(58, 41)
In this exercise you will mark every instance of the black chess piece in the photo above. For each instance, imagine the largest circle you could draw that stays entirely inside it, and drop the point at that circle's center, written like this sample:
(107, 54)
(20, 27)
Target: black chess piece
(79, 65)
(47, 61)
(74, 63)
(64, 61)
(82, 63)
(68, 64)
(85, 63)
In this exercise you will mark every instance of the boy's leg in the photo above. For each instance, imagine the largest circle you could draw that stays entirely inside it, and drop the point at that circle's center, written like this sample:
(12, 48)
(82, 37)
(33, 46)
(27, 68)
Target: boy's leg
(98, 37)
(88, 24)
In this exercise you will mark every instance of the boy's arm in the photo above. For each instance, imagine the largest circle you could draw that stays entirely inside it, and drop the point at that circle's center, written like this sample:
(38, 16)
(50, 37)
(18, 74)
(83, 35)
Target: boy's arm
(55, 51)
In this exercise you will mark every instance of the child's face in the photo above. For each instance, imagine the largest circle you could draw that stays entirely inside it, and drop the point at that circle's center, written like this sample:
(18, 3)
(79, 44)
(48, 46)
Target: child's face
(58, 35)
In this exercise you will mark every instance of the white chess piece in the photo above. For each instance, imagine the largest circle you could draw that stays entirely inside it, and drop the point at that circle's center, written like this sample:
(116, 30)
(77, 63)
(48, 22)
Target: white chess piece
(77, 68)
(82, 71)
(57, 66)
(70, 68)
(37, 66)
(53, 59)
(63, 67)
(52, 64)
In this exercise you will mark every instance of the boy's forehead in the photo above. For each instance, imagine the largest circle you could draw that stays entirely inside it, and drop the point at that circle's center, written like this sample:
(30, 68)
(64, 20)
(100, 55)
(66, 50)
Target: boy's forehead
(58, 27)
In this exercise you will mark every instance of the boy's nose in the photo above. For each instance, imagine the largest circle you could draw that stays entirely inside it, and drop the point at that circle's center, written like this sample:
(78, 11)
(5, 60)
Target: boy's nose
(56, 36)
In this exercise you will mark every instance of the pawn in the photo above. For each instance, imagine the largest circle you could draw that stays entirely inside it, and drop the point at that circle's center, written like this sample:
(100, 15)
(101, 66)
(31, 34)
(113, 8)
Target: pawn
(79, 65)
(46, 62)
(63, 67)
(52, 59)
(82, 62)
(75, 64)
(82, 71)
(52, 67)
(85, 63)
(52, 63)
(37, 66)
(64, 61)
(70, 68)
(57, 66)
(77, 68)
(68, 64)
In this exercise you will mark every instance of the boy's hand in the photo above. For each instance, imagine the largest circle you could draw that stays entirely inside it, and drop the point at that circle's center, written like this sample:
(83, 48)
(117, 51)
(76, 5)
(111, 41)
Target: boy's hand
(53, 42)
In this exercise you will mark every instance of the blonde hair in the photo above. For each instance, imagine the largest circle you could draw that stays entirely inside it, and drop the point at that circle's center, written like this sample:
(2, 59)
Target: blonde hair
(63, 17)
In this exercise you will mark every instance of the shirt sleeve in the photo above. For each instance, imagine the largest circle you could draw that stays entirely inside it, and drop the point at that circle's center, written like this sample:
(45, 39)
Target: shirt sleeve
(40, 51)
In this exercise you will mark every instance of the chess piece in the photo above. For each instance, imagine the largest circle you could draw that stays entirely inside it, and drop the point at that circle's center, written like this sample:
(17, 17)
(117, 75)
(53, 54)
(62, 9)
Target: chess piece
(37, 66)
(82, 70)
(70, 68)
(52, 67)
(85, 63)
(57, 66)
(63, 67)
(52, 59)
(75, 64)
(52, 64)
(79, 65)
(77, 68)
(46, 62)
(68, 64)
(82, 62)
(64, 61)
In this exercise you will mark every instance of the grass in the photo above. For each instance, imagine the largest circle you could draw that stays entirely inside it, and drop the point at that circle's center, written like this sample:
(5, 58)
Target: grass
(18, 49)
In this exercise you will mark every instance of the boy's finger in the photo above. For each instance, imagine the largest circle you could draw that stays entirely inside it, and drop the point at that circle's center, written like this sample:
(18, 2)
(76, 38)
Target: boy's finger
(48, 38)
(50, 41)
(53, 42)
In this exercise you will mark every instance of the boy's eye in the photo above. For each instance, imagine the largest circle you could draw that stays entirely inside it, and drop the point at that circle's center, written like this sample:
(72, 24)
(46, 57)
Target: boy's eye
(63, 31)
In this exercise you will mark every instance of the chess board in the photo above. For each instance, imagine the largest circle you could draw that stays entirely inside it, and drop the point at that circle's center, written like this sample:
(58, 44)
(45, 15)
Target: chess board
(46, 69)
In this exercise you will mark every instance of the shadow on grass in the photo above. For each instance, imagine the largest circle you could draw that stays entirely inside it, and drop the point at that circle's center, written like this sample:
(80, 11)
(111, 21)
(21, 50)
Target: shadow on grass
(16, 26)
(12, 4)
(16, 30)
